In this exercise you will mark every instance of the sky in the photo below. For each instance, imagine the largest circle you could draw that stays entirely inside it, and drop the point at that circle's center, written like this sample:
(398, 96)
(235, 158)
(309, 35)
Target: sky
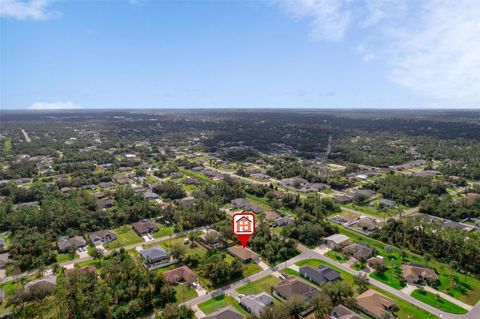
(72, 54)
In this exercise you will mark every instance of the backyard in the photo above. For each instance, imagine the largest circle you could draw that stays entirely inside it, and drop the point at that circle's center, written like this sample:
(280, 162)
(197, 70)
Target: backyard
(218, 303)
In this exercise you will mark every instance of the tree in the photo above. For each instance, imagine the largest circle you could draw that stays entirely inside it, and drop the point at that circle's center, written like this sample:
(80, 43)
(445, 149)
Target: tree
(97, 253)
(172, 311)
(178, 251)
(322, 305)
(362, 282)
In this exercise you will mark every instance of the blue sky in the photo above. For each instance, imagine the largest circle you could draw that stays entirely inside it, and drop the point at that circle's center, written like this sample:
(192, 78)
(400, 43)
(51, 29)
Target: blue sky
(273, 53)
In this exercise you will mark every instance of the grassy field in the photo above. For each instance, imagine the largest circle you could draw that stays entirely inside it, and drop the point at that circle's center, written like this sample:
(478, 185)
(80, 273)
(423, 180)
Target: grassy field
(218, 303)
(262, 285)
(437, 302)
(66, 257)
(184, 293)
(125, 236)
(390, 277)
(337, 256)
(465, 288)
(90, 262)
(189, 250)
(197, 175)
(163, 231)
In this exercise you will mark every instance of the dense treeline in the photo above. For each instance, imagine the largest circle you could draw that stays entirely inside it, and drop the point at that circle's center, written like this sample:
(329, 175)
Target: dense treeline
(449, 245)
(406, 189)
(444, 206)
(270, 246)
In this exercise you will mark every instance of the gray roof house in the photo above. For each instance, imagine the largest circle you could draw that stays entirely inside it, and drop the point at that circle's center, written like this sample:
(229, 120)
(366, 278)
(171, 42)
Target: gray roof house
(154, 255)
(64, 242)
(225, 313)
(387, 202)
(102, 236)
(244, 204)
(256, 304)
(321, 275)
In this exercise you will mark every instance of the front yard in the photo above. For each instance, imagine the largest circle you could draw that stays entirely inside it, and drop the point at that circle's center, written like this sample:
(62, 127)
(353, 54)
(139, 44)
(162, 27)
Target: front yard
(125, 237)
(262, 285)
(218, 303)
(437, 302)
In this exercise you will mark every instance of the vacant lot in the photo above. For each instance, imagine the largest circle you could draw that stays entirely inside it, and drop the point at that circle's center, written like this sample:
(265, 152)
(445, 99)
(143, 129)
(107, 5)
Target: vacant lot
(125, 236)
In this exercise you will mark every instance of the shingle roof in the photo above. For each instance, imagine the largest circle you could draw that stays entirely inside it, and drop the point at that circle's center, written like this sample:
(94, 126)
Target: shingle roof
(225, 313)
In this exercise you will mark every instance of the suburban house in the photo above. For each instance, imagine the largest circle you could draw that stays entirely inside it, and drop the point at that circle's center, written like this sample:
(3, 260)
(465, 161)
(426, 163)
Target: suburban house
(336, 241)
(144, 227)
(367, 224)
(212, 239)
(358, 251)
(225, 313)
(104, 203)
(256, 304)
(244, 204)
(64, 242)
(415, 273)
(295, 287)
(321, 275)
(244, 254)
(102, 236)
(346, 219)
(180, 274)
(154, 256)
(150, 195)
(376, 262)
(283, 221)
(387, 202)
(342, 312)
(343, 198)
(375, 304)
(270, 216)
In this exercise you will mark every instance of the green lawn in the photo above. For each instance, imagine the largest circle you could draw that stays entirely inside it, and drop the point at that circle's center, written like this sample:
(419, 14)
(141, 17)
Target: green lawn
(125, 236)
(163, 231)
(184, 293)
(197, 175)
(90, 262)
(65, 257)
(189, 250)
(389, 277)
(250, 269)
(337, 256)
(437, 302)
(405, 309)
(262, 285)
(218, 303)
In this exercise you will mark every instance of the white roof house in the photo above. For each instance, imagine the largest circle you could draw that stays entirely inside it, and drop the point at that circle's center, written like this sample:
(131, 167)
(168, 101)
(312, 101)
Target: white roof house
(336, 240)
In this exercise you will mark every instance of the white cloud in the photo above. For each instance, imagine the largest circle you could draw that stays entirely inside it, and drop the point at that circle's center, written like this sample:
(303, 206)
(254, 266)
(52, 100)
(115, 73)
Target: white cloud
(68, 105)
(26, 9)
(442, 57)
(329, 18)
(431, 47)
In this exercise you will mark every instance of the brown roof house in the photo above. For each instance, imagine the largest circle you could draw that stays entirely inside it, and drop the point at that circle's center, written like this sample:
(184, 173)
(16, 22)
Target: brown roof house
(376, 263)
(414, 273)
(367, 224)
(295, 287)
(144, 227)
(180, 274)
(358, 251)
(375, 304)
(244, 254)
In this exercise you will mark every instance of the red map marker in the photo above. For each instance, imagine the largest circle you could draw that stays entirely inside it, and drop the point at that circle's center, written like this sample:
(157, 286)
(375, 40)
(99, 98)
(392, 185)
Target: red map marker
(243, 226)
